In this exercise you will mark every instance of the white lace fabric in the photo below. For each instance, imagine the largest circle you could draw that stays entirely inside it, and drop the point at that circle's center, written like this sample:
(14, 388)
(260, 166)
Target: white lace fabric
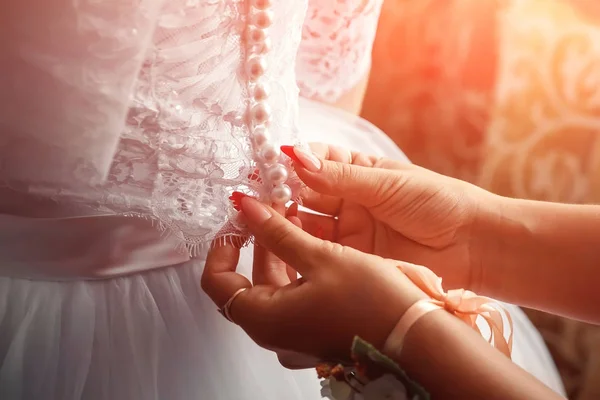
(138, 107)
(337, 41)
(149, 94)
(67, 68)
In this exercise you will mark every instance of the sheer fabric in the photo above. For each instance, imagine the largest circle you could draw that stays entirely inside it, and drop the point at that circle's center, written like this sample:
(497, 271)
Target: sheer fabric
(140, 105)
(159, 88)
(67, 70)
(167, 140)
(155, 335)
(137, 107)
(335, 53)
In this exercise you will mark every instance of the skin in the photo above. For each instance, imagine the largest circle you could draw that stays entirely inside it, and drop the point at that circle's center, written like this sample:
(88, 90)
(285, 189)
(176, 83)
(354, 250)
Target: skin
(344, 292)
(552, 245)
(395, 210)
(473, 239)
(378, 211)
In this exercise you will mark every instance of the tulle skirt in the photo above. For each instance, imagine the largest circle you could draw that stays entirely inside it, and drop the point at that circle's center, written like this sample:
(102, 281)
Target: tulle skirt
(157, 336)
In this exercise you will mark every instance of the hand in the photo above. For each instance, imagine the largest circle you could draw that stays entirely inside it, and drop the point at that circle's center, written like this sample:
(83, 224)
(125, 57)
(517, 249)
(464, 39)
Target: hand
(394, 210)
(342, 293)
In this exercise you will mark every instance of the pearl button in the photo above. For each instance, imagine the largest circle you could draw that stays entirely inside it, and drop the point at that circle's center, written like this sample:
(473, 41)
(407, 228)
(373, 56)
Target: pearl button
(276, 174)
(269, 153)
(263, 19)
(256, 36)
(261, 92)
(260, 114)
(261, 4)
(265, 46)
(281, 194)
(260, 135)
(256, 67)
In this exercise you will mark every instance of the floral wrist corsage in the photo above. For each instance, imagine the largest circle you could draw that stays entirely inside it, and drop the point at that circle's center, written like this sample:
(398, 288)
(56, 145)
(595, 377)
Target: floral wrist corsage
(372, 377)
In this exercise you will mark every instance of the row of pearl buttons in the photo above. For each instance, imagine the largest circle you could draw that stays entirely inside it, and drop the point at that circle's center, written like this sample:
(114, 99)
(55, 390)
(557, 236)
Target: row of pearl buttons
(266, 155)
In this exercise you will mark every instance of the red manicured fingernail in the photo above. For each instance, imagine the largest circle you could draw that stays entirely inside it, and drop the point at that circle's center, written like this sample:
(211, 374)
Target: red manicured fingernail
(254, 176)
(289, 151)
(236, 200)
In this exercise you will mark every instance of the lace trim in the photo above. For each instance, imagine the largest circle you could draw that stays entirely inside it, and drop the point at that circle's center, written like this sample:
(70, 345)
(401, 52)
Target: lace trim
(185, 145)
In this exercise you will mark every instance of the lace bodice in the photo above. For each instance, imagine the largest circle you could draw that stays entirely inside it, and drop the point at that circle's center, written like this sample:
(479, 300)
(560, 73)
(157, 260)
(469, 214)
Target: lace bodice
(146, 107)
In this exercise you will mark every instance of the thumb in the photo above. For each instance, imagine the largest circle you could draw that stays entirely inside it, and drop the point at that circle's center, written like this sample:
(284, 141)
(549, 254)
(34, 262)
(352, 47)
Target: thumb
(282, 237)
(367, 186)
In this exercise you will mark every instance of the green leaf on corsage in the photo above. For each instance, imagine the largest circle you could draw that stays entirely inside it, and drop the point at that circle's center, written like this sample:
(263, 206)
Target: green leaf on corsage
(372, 364)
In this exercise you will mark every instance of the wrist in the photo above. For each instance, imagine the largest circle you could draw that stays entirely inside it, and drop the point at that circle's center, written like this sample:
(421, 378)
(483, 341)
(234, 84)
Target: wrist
(505, 246)
(395, 341)
(462, 305)
(495, 227)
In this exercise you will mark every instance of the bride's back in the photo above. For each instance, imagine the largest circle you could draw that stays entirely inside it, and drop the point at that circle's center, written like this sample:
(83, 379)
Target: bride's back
(155, 99)
(153, 108)
(153, 96)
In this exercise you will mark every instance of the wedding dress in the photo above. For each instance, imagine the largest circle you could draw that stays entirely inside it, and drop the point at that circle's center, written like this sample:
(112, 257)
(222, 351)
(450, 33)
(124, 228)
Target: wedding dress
(124, 127)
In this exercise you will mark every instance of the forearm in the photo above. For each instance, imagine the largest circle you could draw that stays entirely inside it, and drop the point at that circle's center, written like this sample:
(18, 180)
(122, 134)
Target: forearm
(451, 360)
(544, 256)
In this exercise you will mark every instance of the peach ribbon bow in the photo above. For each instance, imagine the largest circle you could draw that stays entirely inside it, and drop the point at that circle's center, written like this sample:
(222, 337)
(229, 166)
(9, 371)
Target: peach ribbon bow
(464, 304)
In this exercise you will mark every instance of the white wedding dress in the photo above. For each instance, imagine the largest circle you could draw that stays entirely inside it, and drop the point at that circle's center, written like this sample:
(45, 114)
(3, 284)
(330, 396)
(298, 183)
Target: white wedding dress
(124, 127)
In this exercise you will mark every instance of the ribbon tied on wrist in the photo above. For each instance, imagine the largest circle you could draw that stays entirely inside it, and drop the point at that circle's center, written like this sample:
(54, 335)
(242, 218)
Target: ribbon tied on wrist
(461, 303)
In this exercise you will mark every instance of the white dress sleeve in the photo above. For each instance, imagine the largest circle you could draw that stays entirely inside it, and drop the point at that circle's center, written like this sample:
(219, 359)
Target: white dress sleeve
(335, 52)
(67, 70)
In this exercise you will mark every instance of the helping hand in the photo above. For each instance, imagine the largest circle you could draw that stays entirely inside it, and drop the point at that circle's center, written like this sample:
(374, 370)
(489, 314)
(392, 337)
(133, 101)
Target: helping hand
(393, 209)
(342, 293)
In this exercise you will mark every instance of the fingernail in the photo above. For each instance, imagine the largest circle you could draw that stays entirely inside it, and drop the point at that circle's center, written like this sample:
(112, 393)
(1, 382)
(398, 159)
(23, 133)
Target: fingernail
(254, 210)
(293, 210)
(236, 200)
(306, 158)
(289, 151)
(255, 175)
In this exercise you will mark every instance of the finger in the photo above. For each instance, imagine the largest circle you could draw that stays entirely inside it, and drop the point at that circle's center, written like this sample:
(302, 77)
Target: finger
(291, 272)
(293, 360)
(255, 307)
(287, 241)
(341, 154)
(267, 268)
(321, 226)
(367, 186)
(292, 211)
(279, 208)
(219, 279)
(326, 204)
(329, 201)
